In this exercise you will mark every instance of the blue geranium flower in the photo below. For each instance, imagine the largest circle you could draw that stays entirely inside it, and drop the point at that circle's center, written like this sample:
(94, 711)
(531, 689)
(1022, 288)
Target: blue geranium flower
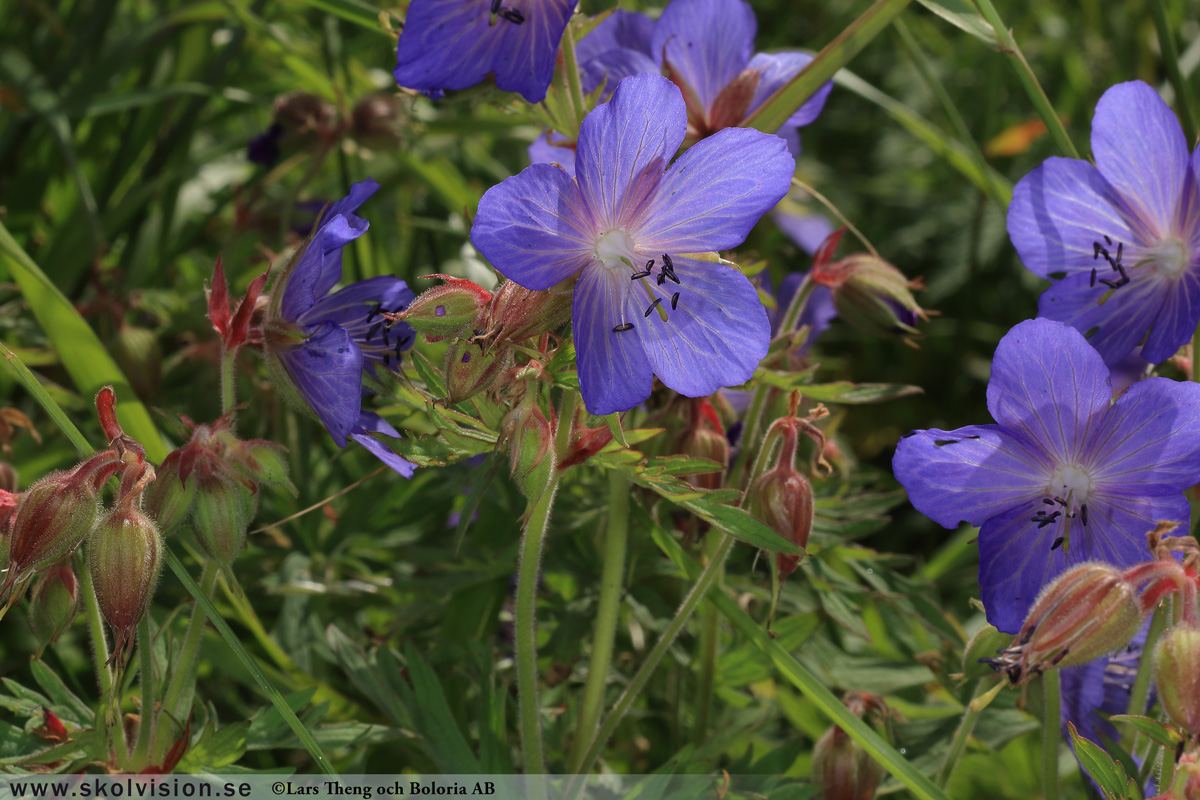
(637, 231)
(1066, 475)
(453, 44)
(318, 344)
(1121, 239)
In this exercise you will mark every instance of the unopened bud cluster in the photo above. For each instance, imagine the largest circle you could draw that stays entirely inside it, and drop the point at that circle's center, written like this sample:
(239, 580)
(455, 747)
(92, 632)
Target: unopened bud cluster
(868, 292)
(842, 770)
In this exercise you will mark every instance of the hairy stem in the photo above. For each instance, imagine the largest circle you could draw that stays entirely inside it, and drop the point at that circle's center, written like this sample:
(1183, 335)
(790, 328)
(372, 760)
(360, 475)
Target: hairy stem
(1051, 721)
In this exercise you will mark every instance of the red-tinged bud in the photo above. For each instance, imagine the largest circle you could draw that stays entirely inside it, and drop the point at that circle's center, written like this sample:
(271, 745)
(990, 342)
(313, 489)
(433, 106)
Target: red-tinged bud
(871, 294)
(223, 510)
(233, 326)
(1177, 665)
(469, 369)
(705, 438)
(377, 121)
(1089, 610)
(588, 442)
(125, 555)
(53, 604)
(516, 313)
(783, 498)
(169, 499)
(262, 461)
(52, 727)
(842, 769)
(451, 309)
(530, 441)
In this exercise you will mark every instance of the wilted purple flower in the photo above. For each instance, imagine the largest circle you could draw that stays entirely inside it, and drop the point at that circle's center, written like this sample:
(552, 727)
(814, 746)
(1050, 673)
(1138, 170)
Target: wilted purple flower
(453, 44)
(318, 344)
(264, 149)
(1066, 476)
(1121, 239)
(634, 232)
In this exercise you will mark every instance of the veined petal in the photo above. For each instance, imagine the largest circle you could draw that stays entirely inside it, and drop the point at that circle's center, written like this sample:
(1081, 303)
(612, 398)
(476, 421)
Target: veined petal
(544, 151)
(624, 146)
(777, 69)
(369, 423)
(614, 374)
(714, 193)
(320, 265)
(327, 370)
(532, 227)
(1115, 326)
(1016, 560)
(968, 475)
(1049, 385)
(621, 29)
(612, 66)
(359, 193)
(525, 61)
(714, 336)
(1140, 149)
(707, 42)
(1058, 212)
(350, 306)
(1176, 318)
(1150, 439)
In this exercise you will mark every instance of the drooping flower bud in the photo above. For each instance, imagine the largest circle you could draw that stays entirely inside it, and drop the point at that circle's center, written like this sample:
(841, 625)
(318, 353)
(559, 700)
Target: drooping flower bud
(125, 560)
(169, 499)
(53, 604)
(1089, 610)
(842, 769)
(870, 294)
(470, 370)
(705, 438)
(451, 309)
(516, 313)
(1177, 664)
(530, 440)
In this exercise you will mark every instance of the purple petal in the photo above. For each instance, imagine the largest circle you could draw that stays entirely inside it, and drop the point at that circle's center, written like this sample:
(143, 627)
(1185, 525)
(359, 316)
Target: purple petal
(544, 151)
(968, 475)
(1176, 319)
(350, 306)
(1141, 150)
(359, 193)
(1128, 371)
(1015, 559)
(530, 227)
(1150, 439)
(776, 69)
(612, 66)
(614, 374)
(327, 370)
(1115, 326)
(620, 29)
(624, 146)
(714, 193)
(453, 44)
(706, 42)
(805, 229)
(716, 334)
(1058, 211)
(1047, 384)
(1083, 693)
(369, 423)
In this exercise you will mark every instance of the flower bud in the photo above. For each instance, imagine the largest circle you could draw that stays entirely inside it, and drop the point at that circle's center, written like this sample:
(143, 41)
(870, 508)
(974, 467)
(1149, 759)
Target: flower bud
(517, 313)
(842, 769)
(871, 294)
(377, 121)
(125, 560)
(1089, 610)
(782, 497)
(169, 499)
(53, 603)
(530, 442)
(706, 443)
(54, 517)
(223, 510)
(302, 114)
(1177, 663)
(470, 370)
(447, 310)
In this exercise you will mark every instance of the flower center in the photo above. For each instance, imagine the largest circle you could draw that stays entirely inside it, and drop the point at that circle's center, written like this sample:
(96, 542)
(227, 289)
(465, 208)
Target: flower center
(1168, 258)
(615, 249)
(1066, 498)
(1070, 482)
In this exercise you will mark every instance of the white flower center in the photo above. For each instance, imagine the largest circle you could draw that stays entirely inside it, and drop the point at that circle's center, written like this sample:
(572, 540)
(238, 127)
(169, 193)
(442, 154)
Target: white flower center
(1071, 481)
(1168, 258)
(616, 249)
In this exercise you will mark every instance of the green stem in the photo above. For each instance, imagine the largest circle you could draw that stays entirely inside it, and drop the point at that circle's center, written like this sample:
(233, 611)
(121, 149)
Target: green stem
(1141, 683)
(958, 744)
(702, 583)
(1008, 46)
(184, 670)
(616, 534)
(145, 644)
(526, 627)
(1051, 720)
(228, 379)
(95, 624)
(1170, 58)
(707, 651)
(574, 86)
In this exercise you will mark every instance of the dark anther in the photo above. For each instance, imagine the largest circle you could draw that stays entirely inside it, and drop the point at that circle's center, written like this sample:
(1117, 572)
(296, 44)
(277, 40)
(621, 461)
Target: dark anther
(662, 278)
(1083, 513)
(496, 6)
(375, 309)
(1060, 501)
(674, 301)
(1108, 240)
(374, 329)
(387, 361)
(386, 341)
(652, 306)
(639, 275)
(1057, 544)
(1043, 519)
(1117, 267)
(513, 16)
(1062, 654)
(1093, 283)
(624, 326)
(668, 265)
(1014, 675)
(671, 274)
(1047, 501)
(649, 265)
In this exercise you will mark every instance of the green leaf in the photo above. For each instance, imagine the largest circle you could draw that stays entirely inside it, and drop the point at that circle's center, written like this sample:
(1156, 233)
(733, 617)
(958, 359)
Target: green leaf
(73, 709)
(436, 723)
(216, 747)
(1160, 732)
(1107, 773)
(367, 675)
(772, 114)
(857, 393)
(361, 14)
(962, 15)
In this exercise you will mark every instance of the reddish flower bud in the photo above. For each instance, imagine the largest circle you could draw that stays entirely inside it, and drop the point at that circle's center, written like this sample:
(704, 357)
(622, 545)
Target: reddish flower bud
(781, 496)
(1089, 610)
(516, 313)
(530, 441)
(705, 438)
(303, 116)
(125, 560)
(224, 507)
(377, 120)
(451, 309)
(871, 294)
(233, 326)
(53, 604)
(470, 370)
(842, 769)
(1177, 664)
